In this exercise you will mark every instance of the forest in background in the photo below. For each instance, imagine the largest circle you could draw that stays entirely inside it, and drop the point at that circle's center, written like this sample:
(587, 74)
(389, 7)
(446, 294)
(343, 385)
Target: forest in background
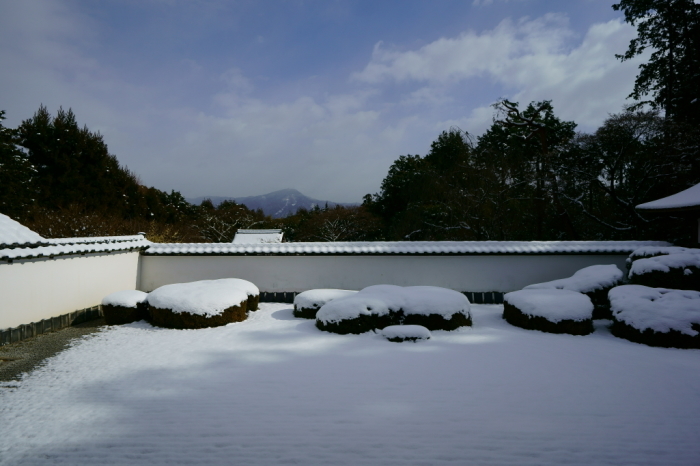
(530, 176)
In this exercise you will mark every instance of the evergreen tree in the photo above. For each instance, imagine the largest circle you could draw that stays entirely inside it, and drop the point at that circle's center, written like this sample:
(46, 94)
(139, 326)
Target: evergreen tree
(17, 176)
(671, 28)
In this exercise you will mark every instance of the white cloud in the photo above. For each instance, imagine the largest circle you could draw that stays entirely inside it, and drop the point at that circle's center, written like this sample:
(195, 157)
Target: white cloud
(531, 59)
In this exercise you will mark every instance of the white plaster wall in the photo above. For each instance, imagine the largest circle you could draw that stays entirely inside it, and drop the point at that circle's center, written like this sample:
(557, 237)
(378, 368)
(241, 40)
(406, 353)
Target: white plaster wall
(299, 273)
(37, 289)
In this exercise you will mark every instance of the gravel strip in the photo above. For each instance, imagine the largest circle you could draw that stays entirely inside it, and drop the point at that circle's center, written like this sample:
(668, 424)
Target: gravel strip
(27, 355)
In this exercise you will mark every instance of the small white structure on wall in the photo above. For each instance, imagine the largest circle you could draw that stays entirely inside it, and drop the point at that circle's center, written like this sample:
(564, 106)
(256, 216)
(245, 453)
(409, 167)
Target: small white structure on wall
(258, 236)
(686, 202)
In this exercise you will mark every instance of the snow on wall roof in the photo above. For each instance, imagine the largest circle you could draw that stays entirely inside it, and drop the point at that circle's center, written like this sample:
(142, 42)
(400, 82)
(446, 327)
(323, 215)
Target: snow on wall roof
(687, 199)
(14, 234)
(71, 246)
(403, 247)
(257, 236)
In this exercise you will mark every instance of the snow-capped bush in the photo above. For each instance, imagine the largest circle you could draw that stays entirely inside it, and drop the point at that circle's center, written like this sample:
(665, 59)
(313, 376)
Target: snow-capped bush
(123, 307)
(399, 333)
(307, 304)
(549, 310)
(656, 316)
(594, 281)
(206, 303)
(380, 306)
(677, 270)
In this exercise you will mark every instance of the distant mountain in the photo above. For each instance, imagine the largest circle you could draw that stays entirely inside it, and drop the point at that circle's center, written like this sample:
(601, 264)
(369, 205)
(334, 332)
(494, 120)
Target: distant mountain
(278, 204)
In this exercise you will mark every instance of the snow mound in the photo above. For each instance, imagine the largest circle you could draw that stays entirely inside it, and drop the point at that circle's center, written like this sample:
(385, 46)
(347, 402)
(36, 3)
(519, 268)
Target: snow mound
(306, 304)
(594, 281)
(586, 280)
(549, 310)
(125, 298)
(652, 251)
(399, 333)
(656, 316)
(205, 298)
(382, 305)
(679, 270)
(13, 233)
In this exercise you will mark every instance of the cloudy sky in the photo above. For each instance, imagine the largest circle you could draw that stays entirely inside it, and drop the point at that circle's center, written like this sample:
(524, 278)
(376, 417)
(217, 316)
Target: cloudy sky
(244, 97)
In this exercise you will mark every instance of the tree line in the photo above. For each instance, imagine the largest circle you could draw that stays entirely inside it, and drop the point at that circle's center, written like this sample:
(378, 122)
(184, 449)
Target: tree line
(530, 176)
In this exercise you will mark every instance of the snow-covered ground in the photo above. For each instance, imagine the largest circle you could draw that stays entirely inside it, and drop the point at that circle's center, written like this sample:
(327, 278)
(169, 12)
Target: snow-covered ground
(276, 390)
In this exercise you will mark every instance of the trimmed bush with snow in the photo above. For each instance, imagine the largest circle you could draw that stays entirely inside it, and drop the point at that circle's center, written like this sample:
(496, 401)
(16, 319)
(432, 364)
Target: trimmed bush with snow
(594, 281)
(380, 306)
(123, 307)
(400, 333)
(677, 270)
(206, 303)
(549, 310)
(307, 304)
(656, 316)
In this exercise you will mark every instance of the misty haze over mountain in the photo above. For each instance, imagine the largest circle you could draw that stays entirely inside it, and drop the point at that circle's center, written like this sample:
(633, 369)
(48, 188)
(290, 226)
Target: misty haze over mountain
(278, 204)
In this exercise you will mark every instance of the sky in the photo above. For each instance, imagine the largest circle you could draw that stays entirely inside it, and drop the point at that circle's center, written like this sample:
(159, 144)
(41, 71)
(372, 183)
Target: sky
(241, 98)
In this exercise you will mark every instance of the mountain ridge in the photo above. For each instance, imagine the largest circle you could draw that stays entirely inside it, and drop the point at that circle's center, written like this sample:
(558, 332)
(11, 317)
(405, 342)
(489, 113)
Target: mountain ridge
(277, 204)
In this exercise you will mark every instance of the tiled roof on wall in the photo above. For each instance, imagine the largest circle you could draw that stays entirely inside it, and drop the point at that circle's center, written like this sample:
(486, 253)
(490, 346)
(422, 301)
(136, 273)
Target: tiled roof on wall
(403, 247)
(73, 246)
(14, 234)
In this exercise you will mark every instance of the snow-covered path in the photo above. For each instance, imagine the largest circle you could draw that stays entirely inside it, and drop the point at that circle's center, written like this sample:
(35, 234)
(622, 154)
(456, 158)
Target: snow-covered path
(275, 390)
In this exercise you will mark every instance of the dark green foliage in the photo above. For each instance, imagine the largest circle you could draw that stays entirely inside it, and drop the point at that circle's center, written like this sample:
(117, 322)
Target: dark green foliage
(670, 339)
(365, 323)
(336, 223)
(17, 176)
(168, 319)
(305, 312)
(516, 317)
(671, 77)
(119, 315)
(676, 278)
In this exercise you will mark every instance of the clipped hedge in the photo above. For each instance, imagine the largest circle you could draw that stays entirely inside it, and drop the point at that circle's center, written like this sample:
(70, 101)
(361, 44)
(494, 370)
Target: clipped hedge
(549, 310)
(119, 315)
(184, 320)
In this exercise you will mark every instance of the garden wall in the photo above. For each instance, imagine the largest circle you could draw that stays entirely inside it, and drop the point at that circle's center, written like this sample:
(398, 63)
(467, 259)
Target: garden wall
(32, 290)
(296, 273)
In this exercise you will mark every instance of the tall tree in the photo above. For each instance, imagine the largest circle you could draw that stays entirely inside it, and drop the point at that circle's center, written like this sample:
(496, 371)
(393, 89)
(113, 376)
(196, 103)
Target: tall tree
(671, 77)
(17, 176)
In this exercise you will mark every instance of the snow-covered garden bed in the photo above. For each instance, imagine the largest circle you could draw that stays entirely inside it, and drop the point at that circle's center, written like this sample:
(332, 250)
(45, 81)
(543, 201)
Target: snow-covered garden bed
(656, 316)
(672, 269)
(123, 307)
(594, 281)
(307, 303)
(379, 306)
(549, 310)
(205, 303)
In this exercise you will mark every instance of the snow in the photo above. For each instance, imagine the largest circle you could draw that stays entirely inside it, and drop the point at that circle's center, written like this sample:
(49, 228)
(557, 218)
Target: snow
(405, 332)
(257, 236)
(686, 198)
(406, 247)
(650, 251)
(588, 279)
(275, 390)
(206, 297)
(688, 258)
(380, 299)
(314, 299)
(14, 233)
(125, 298)
(657, 309)
(552, 304)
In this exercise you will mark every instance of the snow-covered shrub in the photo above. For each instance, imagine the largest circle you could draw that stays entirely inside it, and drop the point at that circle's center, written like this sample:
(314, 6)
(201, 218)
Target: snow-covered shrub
(594, 281)
(656, 316)
(380, 306)
(399, 333)
(307, 304)
(206, 303)
(677, 270)
(123, 307)
(549, 310)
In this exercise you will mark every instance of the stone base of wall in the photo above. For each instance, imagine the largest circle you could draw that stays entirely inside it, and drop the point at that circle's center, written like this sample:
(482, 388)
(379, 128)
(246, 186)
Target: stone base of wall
(22, 332)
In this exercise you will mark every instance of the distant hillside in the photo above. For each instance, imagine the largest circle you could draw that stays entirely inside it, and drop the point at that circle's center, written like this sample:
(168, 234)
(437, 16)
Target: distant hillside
(278, 204)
